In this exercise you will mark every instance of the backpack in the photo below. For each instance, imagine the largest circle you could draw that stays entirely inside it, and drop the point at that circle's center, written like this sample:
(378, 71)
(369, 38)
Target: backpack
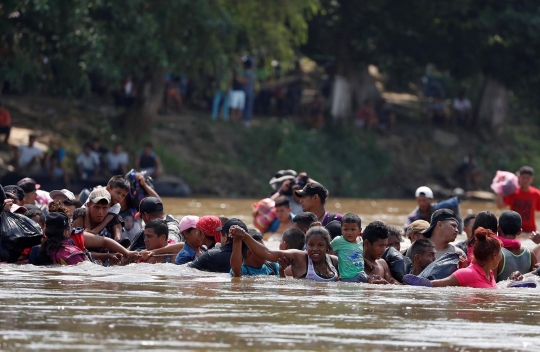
(264, 213)
(136, 191)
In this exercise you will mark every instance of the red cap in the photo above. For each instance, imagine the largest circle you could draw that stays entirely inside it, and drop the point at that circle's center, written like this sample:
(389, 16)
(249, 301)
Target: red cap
(210, 226)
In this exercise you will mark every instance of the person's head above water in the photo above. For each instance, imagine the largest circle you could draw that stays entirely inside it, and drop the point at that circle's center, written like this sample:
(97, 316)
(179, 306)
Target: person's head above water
(317, 243)
(250, 259)
(98, 204)
(211, 227)
(156, 234)
(375, 237)
(486, 248)
(150, 208)
(292, 239)
(394, 237)
(487, 220)
(304, 220)
(225, 239)
(510, 224)
(424, 197)
(415, 229)
(422, 253)
(443, 226)
(313, 197)
(351, 227)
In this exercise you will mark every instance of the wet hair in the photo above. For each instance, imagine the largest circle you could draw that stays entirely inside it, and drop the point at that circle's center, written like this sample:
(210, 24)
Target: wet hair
(256, 235)
(295, 238)
(32, 213)
(58, 207)
(54, 239)
(394, 231)
(119, 181)
(319, 231)
(485, 245)
(159, 226)
(303, 220)
(526, 170)
(283, 201)
(351, 218)
(77, 203)
(485, 219)
(468, 219)
(376, 230)
(334, 228)
(420, 247)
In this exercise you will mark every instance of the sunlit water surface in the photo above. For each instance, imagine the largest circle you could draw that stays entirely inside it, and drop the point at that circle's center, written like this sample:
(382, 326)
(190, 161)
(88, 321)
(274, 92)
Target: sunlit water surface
(167, 307)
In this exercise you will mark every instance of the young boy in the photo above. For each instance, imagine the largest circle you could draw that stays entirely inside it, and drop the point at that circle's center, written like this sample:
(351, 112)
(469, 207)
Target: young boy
(118, 188)
(514, 259)
(349, 249)
(292, 239)
(244, 262)
(284, 219)
(193, 246)
(375, 238)
(302, 221)
(422, 253)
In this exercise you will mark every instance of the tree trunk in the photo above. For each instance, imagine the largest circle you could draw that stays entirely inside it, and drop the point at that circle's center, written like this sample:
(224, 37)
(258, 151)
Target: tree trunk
(493, 105)
(138, 120)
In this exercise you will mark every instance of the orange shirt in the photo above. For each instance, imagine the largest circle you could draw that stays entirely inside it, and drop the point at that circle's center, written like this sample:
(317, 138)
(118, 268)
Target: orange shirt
(5, 118)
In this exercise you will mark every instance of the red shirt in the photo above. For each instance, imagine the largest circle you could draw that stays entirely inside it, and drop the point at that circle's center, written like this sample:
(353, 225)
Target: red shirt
(5, 118)
(525, 203)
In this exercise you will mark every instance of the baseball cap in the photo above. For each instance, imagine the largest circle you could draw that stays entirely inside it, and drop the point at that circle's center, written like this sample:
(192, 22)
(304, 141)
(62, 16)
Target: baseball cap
(227, 226)
(281, 176)
(211, 226)
(14, 192)
(99, 194)
(149, 205)
(424, 192)
(510, 222)
(299, 184)
(28, 185)
(57, 221)
(188, 222)
(439, 215)
(313, 188)
(65, 192)
(417, 226)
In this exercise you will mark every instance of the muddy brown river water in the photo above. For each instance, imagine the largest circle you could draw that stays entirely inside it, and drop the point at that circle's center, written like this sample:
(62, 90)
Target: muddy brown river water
(166, 307)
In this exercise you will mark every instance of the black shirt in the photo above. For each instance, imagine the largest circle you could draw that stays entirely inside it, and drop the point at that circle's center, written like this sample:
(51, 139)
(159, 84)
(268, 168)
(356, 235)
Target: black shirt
(217, 260)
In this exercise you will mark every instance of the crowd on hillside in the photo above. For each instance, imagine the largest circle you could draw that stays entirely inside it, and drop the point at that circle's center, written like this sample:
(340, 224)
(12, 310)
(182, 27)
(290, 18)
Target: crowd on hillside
(125, 222)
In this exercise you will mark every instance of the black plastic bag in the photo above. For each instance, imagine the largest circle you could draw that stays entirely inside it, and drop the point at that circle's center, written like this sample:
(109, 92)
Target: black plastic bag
(17, 232)
(396, 262)
(442, 267)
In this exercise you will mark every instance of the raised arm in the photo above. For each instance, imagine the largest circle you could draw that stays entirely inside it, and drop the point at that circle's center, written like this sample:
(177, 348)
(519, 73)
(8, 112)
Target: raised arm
(236, 258)
(259, 249)
(500, 201)
(150, 192)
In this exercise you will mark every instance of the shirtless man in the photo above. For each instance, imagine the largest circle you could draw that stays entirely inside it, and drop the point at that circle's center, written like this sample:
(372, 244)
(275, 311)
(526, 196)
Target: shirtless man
(284, 219)
(375, 238)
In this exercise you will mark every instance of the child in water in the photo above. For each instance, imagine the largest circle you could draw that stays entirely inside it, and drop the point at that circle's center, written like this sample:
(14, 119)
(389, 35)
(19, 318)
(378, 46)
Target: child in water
(349, 248)
(58, 247)
(315, 263)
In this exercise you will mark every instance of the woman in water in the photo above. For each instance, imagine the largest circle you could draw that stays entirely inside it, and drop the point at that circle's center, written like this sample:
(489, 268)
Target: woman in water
(315, 263)
(486, 257)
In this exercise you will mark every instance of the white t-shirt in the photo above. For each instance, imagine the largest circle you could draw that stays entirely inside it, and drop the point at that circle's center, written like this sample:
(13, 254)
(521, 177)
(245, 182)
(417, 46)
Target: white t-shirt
(88, 162)
(462, 105)
(115, 160)
(27, 154)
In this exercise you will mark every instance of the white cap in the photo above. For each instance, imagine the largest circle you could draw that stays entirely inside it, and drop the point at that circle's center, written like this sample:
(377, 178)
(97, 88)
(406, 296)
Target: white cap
(99, 194)
(65, 192)
(424, 192)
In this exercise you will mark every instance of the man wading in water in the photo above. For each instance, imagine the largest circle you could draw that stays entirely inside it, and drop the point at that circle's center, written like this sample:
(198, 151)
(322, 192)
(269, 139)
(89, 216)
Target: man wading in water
(313, 198)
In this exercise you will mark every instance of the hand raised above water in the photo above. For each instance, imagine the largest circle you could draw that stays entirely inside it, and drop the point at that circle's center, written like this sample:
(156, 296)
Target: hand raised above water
(236, 232)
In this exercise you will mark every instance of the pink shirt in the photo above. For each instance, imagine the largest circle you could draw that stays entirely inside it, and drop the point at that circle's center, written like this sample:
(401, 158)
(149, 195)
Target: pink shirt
(474, 276)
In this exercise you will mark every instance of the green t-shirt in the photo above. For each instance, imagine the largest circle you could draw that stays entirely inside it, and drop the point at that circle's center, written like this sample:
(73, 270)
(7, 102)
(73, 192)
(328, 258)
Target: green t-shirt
(350, 257)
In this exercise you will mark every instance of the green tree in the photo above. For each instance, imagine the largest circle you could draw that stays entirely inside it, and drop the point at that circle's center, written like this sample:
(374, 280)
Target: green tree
(61, 45)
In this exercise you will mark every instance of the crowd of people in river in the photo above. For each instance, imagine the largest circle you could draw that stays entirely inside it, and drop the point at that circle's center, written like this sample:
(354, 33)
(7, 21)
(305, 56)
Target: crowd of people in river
(125, 222)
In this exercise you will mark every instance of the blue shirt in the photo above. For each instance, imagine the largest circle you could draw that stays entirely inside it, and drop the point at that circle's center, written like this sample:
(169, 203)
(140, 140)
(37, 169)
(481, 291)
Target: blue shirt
(186, 255)
(275, 225)
(268, 268)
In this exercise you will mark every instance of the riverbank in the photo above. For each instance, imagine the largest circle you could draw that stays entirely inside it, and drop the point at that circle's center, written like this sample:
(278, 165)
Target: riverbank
(224, 159)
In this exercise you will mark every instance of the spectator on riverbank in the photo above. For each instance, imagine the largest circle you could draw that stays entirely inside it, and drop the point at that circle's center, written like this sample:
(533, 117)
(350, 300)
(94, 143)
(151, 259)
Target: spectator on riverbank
(5, 123)
(149, 162)
(101, 151)
(28, 157)
(88, 163)
(385, 117)
(462, 109)
(237, 97)
(221, 97)
(436, 110)
(249, 90)
(117, 161)
(54, 164)
(366, 117)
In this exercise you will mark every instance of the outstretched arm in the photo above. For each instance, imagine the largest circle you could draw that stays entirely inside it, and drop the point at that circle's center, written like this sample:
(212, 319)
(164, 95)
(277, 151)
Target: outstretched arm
(449, 281)
(93, 241)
